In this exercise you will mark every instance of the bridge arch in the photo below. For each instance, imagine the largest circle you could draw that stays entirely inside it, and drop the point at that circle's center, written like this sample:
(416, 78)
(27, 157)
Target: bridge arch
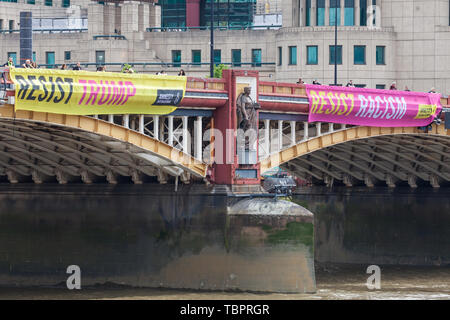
(43, 147)
(370, 156)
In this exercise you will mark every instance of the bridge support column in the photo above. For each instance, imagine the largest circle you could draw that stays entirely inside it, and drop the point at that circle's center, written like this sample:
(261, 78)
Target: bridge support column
(293, 136)
(141, 123)
(305, 131)
(368, 180)
(126, 121)
(39, 177)
(170, 129)
(280, 135)
(318, 129)
(434, 181)
(136, 176)
(412, 181)
(198, 138)
(111, 177)
(391, 181)
(185, 135)
(156, 127)
(267, 136)
(111, 118)
(63, 177)
(87, 177)
(14, 177)
(348, 180)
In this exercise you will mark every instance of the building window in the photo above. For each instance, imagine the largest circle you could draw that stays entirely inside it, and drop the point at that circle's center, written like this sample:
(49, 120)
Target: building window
(320, 14)
(311, 55)
(381, 55)
(100, 57)
(256, 57)
(196, 57)
(34, 56)
(176, 58)
(280, 56)
(11, 25)
(217, 57)
(293, 55)
(374, 12)
(1, 24)
(359, 55)
(360, 85)
(31, 1)
(236, 57)
(338, 54)
(67, 55)
(381, 86)
(13, 55)
(335, 5)
(48, 3)
(65, 3)
(50, 59)
(308, 13)
(349, 13)
(363, 12)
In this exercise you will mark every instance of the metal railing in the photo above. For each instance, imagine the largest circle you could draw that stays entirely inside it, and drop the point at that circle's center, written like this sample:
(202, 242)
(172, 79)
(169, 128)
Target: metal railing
(114, 36)
(161, 64)
(48, 30)
(220, 28)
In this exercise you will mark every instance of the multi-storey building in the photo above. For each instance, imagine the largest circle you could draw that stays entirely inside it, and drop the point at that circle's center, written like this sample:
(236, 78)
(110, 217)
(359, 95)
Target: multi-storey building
(379, 41)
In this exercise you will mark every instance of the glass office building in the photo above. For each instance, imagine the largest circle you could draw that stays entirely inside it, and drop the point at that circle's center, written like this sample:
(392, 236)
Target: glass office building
(194, 13)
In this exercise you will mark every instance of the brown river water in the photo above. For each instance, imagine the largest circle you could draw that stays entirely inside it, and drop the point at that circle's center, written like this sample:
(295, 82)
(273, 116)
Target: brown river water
(334, 282)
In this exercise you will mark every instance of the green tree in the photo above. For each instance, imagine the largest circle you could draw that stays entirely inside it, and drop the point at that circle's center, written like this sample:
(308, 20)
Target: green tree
(218, 70)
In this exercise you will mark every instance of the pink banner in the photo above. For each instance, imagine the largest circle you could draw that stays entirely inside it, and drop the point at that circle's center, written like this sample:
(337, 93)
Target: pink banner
(370, 107)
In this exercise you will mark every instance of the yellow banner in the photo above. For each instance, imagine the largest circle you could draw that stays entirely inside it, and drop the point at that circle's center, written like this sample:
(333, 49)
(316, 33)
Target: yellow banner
(90, 93)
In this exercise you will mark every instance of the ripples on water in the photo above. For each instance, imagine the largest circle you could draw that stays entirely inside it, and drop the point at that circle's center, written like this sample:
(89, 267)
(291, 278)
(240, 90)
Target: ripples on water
(334, 282)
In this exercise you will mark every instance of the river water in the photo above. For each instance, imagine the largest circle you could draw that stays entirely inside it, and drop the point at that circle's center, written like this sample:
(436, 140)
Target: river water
(395, 229)
(334, 282)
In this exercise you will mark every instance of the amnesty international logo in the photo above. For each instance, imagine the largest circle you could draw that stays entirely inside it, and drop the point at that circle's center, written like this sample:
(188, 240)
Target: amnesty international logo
(426, 111)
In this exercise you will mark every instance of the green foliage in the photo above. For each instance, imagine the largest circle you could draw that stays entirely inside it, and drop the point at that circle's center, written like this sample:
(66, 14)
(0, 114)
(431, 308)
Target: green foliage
(218, 70)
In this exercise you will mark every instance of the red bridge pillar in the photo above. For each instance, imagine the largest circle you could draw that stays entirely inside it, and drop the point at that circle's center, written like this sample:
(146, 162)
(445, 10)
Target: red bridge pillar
(228, 168)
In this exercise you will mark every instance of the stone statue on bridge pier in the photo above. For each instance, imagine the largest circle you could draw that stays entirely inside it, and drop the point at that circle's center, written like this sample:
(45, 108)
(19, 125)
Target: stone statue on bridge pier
(247, 126)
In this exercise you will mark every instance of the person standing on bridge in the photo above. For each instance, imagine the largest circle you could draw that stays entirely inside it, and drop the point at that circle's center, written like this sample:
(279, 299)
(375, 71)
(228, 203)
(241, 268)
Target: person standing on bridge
(10, 64)
(77, 67)
(350, 84)
(393, 86)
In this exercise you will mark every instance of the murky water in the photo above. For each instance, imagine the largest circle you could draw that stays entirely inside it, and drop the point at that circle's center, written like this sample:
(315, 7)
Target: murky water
(401, 227)
(334, 282)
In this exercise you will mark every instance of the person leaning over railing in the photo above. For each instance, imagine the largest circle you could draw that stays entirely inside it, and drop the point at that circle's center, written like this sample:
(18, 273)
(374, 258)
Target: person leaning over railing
(9, 64)
(127, 68)
(77, 67)
(28, 64)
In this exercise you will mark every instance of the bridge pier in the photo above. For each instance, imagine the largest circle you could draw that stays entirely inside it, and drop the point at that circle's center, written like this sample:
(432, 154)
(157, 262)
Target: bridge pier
(150, 236)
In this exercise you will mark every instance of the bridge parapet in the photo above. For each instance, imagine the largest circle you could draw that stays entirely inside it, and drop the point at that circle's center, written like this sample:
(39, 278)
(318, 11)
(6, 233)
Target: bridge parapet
(199, 130)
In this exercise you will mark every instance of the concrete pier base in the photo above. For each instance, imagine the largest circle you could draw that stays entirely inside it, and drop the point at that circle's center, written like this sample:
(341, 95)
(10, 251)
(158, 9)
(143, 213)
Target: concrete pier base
(143, 236)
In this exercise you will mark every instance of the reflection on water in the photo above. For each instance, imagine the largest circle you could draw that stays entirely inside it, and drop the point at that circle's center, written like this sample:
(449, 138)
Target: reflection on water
(334, 282)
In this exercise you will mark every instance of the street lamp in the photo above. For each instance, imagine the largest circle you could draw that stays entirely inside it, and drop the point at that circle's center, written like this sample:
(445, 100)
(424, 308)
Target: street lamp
(335, 42)
(211, 67)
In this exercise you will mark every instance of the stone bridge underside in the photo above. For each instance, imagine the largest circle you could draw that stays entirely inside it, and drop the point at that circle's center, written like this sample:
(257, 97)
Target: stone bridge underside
(49, 151)
(371, 157)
